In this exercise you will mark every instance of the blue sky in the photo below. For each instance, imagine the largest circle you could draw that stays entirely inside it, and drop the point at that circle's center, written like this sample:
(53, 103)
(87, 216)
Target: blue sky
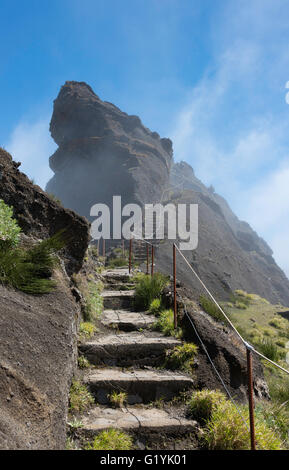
(209, 74)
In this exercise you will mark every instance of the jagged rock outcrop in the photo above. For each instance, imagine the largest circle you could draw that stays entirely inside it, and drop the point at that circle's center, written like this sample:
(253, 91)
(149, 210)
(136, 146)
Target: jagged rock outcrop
(103, 152)
(230, 255)
(39, 215)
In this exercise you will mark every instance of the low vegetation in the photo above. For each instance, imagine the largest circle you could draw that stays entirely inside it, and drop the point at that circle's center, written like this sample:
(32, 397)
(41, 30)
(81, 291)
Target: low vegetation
(118, 399)
(165, 324)
(224, 428)
(112, 439)
(149, 288)
(269, 349)
(80, 399)
(211, 308)
(155, 307)
(203, 403)
(86, 330)
(117, 263)
(93, 301)
(83, 363)
(28, 270)
(182, 357)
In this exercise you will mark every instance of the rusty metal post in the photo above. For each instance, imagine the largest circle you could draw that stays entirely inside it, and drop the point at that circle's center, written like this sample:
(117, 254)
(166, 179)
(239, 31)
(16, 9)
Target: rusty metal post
(130, 255)
(148, 257)
(153, 255)
(251, 398)
(98, 242)
(175, 286)
(123, 249)
(103, 248)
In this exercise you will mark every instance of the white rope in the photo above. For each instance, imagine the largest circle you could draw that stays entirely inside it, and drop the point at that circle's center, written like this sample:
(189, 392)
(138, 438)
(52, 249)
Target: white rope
(215, 369)
(248, 346)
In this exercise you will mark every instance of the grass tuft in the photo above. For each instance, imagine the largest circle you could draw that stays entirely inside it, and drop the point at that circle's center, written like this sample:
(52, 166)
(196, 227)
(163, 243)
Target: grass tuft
(155, 307)
(203, 403)
(211, 308)
(182, 357)
(93, 302)
(226, 430)
(269, 349)
(112, 439)
(118, 398)
(86, 330)
(80, 399)
(149, 288)
(83, 363)
(165, 324)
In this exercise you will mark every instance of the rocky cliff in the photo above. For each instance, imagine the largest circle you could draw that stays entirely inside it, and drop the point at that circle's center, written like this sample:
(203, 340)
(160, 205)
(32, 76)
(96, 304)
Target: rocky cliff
(103, 152)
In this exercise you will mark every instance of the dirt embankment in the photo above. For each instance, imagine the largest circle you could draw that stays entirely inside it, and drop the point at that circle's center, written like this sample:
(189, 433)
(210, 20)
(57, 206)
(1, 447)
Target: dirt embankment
(38, 333)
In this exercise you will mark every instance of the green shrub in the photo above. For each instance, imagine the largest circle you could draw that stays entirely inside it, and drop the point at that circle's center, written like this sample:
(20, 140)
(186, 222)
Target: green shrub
(226, 430)
(211, 308)
(80, 399)
(165, 324)
(149, 288)
(93, 302)
(9, 228)
(112, 439)
(155, 307)
(182, 357)
(30, 270)
(269, 349)
(202, 404)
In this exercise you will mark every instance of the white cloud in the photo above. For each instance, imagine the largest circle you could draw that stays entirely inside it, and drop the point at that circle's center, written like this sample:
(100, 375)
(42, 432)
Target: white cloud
(31, 144)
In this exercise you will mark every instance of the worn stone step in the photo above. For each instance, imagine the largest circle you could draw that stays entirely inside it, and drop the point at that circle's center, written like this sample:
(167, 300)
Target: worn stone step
(128, 349)
(116, 275)
(119, 286)
(126, 320)
(117, 299)
(141, 386)
(138, 420)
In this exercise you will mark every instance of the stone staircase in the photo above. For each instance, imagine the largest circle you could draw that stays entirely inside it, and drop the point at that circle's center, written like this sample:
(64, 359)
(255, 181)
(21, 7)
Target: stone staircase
(127, 355)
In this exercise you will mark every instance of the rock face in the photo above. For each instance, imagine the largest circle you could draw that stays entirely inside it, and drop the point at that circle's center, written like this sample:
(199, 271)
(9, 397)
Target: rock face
(38, 333)
(39, 215)
(37, 360)
(103, 152)
(230, 255)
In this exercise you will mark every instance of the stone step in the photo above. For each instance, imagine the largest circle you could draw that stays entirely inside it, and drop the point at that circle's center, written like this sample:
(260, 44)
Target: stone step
(117, 299)
(116, 275)
(138, 420)
(119, 286)
(128, 349)
(141, 386)
(126, 320)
